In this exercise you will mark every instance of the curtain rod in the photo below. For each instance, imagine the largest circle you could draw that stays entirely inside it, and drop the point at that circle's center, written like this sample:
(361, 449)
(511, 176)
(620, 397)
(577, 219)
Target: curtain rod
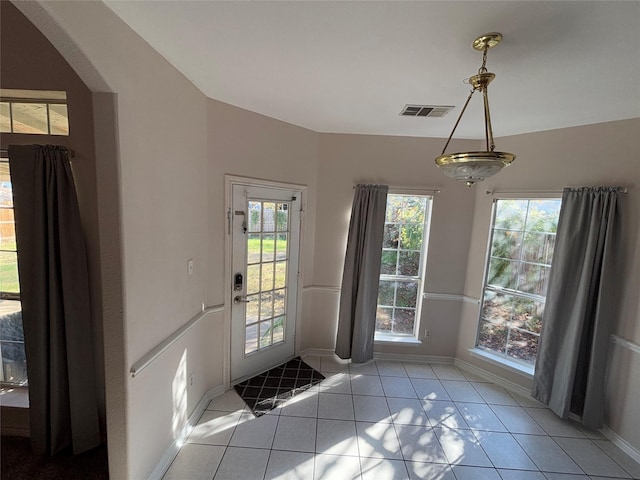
(5, 152)
(541, 192)
(408, 189)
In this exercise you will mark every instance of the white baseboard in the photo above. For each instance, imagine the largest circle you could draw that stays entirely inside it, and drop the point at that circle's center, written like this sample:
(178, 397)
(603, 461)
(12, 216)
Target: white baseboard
(403, 357)
(397, 357)
(171, 452)
(506, 384)
(317, 352)
(621, 443)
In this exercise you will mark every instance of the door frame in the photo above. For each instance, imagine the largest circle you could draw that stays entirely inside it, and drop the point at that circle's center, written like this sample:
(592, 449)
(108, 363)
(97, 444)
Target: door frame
(229, 182)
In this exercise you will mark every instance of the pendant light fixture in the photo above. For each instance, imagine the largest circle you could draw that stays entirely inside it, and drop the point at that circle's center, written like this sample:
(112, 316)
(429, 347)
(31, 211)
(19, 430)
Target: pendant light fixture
(472, 167)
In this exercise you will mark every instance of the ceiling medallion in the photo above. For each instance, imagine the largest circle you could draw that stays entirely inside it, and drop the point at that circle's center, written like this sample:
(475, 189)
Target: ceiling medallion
(472, 167)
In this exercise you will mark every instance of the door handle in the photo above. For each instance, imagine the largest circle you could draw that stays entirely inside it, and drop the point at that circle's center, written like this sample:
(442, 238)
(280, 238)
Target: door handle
(240, 299)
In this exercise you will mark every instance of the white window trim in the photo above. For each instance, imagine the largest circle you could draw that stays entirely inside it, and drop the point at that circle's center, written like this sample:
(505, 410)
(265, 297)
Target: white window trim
(384, 338)
(503, 361)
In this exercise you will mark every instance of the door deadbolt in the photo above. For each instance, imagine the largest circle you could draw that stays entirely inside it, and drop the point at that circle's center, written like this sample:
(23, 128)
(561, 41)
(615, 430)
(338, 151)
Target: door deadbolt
(237, 282)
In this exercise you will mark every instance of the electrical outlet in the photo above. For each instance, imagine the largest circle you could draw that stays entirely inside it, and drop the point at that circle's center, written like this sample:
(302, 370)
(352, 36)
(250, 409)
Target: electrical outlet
(190, 266)
(191, 380)
(427, 333)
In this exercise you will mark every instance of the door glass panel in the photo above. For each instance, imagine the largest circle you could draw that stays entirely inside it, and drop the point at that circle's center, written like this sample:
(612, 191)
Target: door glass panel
(267, 276)
(281, 246)
(282, 217)
(253, 279)
(278, 302)
(267, 263)
(253, 248)
(253, 309)
(278, 330)
(255, 216)
(265, 333)
(251, 338)
(268, 247)
(266, 305)
(281, 275)
(268, 217)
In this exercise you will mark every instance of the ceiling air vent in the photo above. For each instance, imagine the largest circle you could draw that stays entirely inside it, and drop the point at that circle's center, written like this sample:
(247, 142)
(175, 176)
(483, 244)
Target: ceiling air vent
(436, 111)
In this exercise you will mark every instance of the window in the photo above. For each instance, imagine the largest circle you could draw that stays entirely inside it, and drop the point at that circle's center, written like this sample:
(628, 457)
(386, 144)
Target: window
(33, 112)
(523, 235)
(402, 271)
(13, 360)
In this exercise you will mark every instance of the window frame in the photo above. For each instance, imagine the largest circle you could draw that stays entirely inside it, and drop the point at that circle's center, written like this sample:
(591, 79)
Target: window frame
(420, 279)
(12, 296)
(10, 97)
(484, 352)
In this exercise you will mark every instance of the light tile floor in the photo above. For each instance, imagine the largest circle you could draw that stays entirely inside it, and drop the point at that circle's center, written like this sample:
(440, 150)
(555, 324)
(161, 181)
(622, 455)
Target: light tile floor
(391, 421)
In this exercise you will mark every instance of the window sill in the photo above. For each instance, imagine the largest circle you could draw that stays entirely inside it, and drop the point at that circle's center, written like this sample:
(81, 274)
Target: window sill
(502, 362)
(386, 339)
(16, 397)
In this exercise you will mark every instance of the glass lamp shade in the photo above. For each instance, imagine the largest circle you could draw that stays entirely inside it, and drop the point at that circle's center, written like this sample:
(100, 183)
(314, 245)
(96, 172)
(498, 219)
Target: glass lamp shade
(472, 167)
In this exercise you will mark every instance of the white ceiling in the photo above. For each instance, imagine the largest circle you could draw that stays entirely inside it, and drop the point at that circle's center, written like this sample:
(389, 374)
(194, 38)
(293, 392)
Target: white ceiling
(350, 67)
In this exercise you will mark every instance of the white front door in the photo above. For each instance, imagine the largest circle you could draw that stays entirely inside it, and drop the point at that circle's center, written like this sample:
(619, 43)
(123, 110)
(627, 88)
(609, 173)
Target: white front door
(265, 245)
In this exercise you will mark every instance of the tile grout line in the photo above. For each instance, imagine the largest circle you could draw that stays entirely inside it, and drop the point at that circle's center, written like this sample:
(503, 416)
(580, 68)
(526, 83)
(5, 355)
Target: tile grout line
(611, 458)
(315, 438)
(226, 446)
(273, 440)
(355, 425)
(522, 408)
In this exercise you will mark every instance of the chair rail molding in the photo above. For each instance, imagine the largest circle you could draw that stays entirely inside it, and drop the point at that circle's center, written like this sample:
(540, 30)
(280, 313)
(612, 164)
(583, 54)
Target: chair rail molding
(164, 345)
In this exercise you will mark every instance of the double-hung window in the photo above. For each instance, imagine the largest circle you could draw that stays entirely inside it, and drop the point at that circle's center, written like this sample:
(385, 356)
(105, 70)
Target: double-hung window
(402, 270)
(523, 236)
(13, 364)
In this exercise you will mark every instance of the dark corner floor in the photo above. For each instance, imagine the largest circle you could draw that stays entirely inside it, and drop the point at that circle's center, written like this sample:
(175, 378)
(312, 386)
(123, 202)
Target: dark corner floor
(18, 462)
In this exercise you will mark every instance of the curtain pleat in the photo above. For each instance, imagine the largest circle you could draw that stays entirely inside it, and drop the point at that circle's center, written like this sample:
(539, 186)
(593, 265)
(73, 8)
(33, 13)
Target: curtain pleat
(54, 290)
(572, 352)
(361, 275)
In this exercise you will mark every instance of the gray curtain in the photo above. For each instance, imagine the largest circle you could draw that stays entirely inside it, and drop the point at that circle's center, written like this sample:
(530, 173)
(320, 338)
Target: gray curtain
(571, 359)
(360, 279)
(54, 290)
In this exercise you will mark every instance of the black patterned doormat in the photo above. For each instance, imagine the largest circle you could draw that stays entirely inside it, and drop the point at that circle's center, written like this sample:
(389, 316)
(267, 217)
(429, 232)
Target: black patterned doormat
(271, 389)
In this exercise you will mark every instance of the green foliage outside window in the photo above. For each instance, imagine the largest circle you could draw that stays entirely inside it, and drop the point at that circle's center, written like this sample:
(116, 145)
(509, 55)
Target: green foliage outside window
(400, 270)
(521, 252)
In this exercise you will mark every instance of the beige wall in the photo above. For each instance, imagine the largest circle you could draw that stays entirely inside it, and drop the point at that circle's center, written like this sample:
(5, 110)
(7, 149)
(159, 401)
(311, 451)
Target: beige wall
(173, 147)
(162, 175)
(29, 61)
(346, 160)
(246, 144)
